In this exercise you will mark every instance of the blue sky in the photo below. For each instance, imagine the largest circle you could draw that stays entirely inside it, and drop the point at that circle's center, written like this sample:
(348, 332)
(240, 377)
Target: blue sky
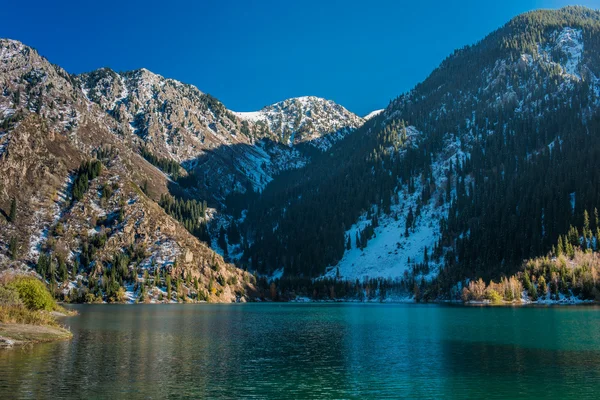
(252, 53)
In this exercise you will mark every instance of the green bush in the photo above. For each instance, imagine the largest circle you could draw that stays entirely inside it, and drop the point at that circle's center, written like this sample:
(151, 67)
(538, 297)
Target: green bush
(232, 281)
(34, 294)
(493, 296)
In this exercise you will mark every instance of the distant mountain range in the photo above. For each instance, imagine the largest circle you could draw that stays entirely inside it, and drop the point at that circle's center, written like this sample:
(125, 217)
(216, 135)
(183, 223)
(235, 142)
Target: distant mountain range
(136, 123)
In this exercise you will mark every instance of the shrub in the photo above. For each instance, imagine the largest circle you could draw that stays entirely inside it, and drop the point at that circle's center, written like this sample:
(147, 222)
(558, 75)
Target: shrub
(493, 296)
(34, 294)
(232, 281)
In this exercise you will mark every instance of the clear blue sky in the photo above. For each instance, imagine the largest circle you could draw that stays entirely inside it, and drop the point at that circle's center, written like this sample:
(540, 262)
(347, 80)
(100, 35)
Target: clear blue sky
(251, 53)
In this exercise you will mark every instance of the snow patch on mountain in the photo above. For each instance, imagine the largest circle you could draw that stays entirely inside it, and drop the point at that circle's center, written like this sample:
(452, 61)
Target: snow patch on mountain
(264, 160)
(373, 114)
(9, 49)
(254, 116)
(570, 43)
(390, 253)
(3, 142)
(565, 51)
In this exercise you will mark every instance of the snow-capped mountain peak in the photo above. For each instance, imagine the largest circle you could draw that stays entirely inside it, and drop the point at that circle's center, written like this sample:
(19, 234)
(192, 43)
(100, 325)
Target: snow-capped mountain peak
(312, 119)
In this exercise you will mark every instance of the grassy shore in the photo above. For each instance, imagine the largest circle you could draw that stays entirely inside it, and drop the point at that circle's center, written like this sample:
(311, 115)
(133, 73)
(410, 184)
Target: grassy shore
(28, 313)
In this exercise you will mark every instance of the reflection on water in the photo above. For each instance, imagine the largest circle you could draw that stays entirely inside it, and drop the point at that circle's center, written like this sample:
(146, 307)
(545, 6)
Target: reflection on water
(313, 351)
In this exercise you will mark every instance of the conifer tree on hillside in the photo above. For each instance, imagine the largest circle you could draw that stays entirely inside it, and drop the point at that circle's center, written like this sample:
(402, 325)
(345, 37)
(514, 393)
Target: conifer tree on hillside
(13, 247)
(12, 216)
(222, 240)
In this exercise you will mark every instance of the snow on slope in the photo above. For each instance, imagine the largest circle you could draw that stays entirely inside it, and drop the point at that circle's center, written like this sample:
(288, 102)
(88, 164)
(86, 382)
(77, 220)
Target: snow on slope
(566, 51)
(39, 237)
(253, 116)
(389, 254)
(3, 142)
(311, 119)
(373, 114)
(570, 43)
(260, 163)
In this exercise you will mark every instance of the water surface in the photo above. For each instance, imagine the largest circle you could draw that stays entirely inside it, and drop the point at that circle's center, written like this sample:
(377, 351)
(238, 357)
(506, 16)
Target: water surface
(313, 351)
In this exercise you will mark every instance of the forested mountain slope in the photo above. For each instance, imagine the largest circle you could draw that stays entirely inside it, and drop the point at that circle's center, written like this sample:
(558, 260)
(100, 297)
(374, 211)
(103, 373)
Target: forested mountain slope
(479, 167)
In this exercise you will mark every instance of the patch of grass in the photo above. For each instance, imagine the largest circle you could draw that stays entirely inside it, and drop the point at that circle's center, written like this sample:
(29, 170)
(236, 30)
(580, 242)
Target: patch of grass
(11, 314)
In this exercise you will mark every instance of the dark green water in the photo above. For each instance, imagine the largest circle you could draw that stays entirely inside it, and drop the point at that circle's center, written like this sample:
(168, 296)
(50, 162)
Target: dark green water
(313, 351)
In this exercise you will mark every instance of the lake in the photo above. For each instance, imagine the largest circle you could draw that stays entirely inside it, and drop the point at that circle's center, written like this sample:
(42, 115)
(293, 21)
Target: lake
(330, 350)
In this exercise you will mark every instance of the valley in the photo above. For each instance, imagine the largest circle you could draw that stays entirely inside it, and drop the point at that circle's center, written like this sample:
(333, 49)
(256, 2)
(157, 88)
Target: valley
(133, 187)
(303, 200)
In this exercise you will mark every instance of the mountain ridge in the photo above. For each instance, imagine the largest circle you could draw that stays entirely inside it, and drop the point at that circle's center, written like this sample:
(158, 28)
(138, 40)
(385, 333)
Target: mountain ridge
(514, 93)
(465, 176)
(177, 121)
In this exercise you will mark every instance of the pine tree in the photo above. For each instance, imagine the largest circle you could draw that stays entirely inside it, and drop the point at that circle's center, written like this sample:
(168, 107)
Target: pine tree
(13, 247)
(233, 234)
(62, 269)
(409, 221)
(178, 289)
(222, 241)
(542, 288)
(143, 292)
(168, 282)
(157, 277)
(586, 227)
(13, 211)
(42, 265)
(75, 268)
(560, 250)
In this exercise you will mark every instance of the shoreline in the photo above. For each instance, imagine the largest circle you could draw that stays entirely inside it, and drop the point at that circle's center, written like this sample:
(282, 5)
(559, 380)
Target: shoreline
(12, 335)
(304, 300)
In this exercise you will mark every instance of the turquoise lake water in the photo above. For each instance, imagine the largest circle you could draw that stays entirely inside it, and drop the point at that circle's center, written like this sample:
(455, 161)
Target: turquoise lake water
(313, 351)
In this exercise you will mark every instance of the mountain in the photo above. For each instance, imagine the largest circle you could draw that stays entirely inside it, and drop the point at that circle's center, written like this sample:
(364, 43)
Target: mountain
(484, 164)
(225, 151)
(309, 119)
(79, 204)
